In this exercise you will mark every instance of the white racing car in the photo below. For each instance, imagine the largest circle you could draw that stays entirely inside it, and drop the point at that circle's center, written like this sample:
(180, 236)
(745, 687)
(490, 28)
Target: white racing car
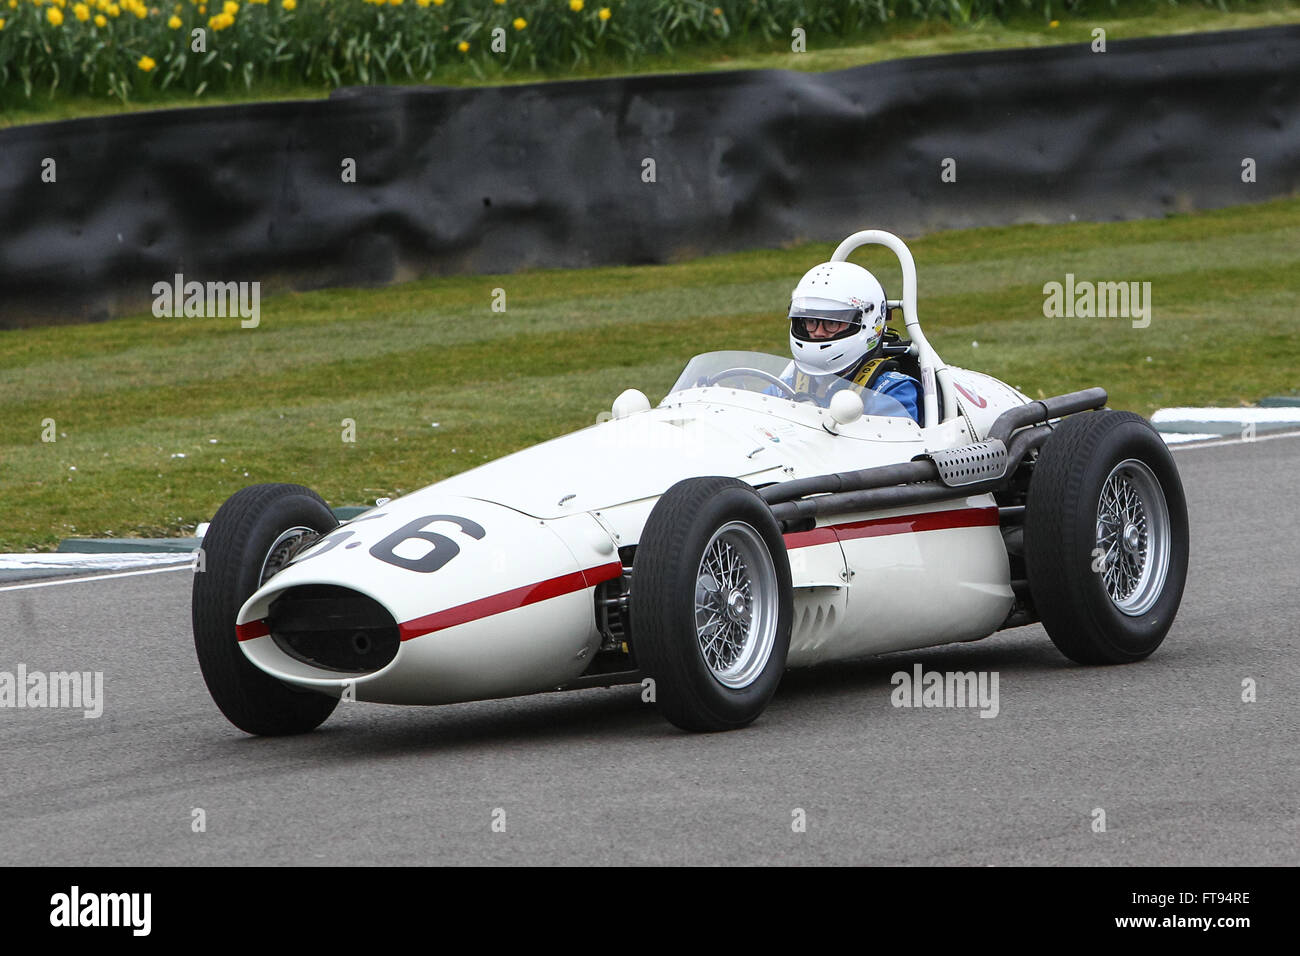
(703, 546)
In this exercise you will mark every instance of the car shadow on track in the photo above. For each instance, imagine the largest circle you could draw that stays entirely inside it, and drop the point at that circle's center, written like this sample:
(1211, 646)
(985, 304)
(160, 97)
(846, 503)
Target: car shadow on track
(620, 714)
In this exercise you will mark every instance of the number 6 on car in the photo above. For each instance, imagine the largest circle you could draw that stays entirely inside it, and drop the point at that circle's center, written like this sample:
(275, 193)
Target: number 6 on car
(740, 527)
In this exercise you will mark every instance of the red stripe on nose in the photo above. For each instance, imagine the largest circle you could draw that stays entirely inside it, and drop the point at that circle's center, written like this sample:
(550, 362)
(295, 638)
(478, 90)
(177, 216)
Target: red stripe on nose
(246, 632)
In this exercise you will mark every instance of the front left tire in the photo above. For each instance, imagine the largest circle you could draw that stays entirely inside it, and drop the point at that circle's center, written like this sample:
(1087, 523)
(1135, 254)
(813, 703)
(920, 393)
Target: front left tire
(711, 604)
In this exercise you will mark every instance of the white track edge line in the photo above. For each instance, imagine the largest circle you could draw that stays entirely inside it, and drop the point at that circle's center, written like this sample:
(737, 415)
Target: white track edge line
(1218, 443)
(187, 566)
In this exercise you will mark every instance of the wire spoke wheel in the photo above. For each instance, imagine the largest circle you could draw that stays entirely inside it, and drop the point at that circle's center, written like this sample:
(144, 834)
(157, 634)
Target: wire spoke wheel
(1133, 534)
(284, 549)
(736, 605)
(711, 604)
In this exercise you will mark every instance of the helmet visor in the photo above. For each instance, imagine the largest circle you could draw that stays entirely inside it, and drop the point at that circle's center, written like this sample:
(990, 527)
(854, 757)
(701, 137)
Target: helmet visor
(824, 324)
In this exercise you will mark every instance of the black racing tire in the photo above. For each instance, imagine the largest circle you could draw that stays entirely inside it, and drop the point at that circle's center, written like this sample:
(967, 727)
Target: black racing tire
(1096, 608)
(669, 566)
(235, 550)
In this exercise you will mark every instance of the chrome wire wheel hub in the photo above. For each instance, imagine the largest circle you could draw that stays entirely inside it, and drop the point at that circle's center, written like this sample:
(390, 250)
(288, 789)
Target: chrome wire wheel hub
(1133, 537)
(736, 605)
(288, 546)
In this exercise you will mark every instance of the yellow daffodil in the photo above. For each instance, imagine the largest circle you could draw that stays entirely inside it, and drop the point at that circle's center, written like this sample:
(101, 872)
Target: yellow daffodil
(1054, 24)
(394, 3)
(174, 23)
(2, 23)
(421, 3)
(140, 13)
(289, 4)
(203, 8)
(605, 13)
(575, 6)
(114, 10)
(438, 3)
(519, 23)
(55, 16)
(230, 8)
(101, 21)
(499, 2)
(81, 12)
(462, 46)
(146, 63)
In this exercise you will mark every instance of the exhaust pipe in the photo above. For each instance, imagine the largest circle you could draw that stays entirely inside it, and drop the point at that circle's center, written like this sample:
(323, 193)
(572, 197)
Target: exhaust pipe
(926, 479)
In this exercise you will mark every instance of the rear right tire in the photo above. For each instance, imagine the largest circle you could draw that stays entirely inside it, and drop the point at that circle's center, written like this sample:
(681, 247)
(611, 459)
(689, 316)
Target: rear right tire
(1106, 537)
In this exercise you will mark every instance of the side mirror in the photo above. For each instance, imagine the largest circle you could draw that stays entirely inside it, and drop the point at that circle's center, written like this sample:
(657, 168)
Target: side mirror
(634, 400)
(846, 406)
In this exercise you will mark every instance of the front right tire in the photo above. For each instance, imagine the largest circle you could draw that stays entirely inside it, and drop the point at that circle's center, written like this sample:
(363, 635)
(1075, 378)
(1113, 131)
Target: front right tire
(251, 536)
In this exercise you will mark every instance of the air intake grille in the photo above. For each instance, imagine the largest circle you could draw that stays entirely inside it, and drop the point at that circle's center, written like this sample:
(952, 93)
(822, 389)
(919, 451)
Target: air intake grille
(333, 628)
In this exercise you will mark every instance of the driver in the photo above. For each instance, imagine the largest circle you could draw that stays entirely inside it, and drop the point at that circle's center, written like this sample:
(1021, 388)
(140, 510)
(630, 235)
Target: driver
(837, 330)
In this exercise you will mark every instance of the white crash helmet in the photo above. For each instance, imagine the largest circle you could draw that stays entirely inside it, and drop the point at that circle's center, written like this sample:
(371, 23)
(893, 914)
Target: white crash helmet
(838, 292)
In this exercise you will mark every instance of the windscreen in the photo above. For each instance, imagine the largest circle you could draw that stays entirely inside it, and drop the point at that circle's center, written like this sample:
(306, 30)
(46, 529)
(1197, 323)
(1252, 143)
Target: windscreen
(756, 372)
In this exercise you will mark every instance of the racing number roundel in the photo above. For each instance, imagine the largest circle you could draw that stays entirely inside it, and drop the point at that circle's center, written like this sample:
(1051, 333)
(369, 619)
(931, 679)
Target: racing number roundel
(444, 548)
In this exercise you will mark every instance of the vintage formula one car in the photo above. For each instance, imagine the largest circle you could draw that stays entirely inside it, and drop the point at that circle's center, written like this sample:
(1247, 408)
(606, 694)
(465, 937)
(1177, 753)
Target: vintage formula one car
(703, 546)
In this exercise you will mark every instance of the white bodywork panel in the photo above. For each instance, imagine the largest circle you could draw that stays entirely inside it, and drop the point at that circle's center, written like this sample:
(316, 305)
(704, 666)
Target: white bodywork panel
(982, 398)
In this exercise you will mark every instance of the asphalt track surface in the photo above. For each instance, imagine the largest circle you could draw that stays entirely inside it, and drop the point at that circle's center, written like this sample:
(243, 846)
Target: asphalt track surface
(1185, 771)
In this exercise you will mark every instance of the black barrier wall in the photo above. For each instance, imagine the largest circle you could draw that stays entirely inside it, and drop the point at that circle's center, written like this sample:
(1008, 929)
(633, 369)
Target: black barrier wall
(636, 170)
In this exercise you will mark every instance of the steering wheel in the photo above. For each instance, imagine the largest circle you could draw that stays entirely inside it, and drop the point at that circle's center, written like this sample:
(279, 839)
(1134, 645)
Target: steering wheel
(765, 376)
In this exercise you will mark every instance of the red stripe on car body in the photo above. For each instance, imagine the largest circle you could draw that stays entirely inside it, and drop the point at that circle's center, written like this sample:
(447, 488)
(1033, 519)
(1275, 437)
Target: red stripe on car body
(807, 539)
(899, 524)
(590, 577)
(509, 600)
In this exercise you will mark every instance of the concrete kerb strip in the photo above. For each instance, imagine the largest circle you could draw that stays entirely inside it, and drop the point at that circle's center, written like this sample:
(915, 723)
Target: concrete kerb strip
(1192, 424)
